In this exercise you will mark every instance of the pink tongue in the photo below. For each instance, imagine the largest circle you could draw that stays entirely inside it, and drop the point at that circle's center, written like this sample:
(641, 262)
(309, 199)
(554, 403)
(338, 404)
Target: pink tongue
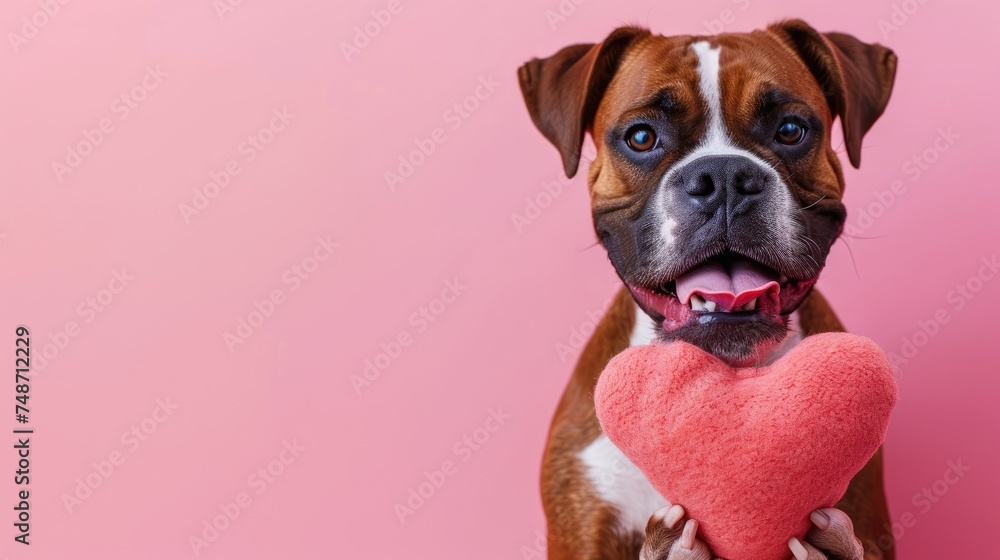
(742, 283)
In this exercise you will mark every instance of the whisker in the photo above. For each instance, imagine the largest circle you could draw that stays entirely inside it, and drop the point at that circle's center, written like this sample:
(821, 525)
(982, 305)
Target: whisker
(854, 263)
(863, 147)
(852, 236)
(814, 203)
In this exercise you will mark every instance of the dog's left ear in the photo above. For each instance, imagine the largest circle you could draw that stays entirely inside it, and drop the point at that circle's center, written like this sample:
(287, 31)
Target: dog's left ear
(562, 92)
(856, 77)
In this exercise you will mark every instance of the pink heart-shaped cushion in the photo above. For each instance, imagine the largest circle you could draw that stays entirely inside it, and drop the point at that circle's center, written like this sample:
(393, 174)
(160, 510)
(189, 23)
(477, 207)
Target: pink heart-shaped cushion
(749, 452)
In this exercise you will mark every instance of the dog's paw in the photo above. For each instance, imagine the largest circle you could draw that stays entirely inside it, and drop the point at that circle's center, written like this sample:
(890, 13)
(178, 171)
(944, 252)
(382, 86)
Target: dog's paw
(831, 538)
(670, 537)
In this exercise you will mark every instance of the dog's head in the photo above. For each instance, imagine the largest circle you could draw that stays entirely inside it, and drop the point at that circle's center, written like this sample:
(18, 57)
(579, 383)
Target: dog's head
(715, 188)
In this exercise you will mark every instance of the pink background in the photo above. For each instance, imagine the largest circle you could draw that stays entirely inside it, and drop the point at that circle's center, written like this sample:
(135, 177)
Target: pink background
(505, 343)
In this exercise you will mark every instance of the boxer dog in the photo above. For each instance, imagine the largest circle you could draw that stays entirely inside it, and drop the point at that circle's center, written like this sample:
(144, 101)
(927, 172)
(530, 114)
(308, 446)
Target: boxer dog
(714, 180)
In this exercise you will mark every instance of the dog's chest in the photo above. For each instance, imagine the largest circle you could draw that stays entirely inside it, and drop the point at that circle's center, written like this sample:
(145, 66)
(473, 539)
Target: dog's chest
(614, 477)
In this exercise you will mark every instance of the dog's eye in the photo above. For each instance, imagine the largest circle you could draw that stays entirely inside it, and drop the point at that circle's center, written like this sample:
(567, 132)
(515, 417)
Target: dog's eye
(790, 133)
(641, 138)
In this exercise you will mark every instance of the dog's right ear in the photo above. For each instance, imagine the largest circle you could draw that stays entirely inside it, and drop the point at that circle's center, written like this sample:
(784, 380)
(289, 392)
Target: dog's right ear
(856, 77)
(562, 92)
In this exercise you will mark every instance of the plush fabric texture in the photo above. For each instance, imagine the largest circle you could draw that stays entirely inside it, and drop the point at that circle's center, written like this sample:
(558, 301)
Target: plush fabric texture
(749, 452)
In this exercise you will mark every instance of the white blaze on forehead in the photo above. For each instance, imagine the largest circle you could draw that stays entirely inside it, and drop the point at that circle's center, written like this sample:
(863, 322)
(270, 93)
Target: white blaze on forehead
(711, 91)
(717, 142)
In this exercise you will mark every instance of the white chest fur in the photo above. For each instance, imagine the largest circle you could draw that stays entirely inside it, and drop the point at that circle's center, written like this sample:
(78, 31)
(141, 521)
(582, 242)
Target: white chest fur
(614, 477)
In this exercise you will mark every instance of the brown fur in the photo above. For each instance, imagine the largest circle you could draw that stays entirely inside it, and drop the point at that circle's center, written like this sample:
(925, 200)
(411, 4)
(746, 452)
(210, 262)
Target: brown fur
(582, 526)
(750, 63)
(591, 88)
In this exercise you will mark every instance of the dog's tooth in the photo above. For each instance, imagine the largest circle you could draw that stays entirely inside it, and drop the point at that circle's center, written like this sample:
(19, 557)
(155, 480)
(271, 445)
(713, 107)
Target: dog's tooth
(751, 306)
(697, 304)
(710, 306)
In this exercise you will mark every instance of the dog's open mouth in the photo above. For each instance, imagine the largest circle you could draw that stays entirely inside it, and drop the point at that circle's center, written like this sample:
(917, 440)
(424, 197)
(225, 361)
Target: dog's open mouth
(729, 288)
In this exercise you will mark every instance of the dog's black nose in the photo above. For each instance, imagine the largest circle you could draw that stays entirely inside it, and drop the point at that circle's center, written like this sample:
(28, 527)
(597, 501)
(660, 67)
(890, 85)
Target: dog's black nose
(713, 181)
